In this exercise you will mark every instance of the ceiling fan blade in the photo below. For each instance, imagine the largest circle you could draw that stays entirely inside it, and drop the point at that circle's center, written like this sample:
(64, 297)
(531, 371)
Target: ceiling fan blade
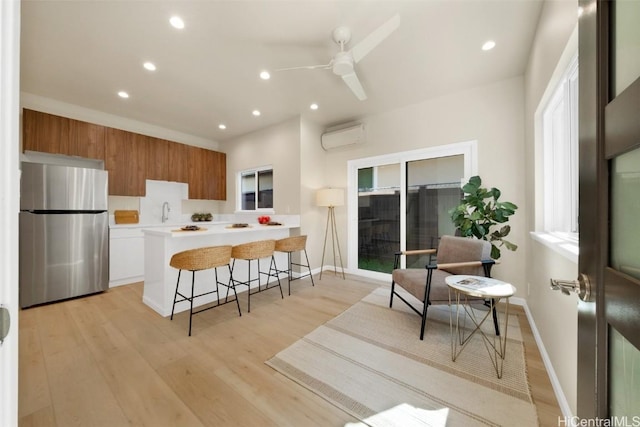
(306, 67)
(353, 82)
(367, 44)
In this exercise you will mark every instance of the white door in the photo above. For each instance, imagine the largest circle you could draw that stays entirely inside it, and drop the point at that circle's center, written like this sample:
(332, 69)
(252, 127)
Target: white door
(9, 191)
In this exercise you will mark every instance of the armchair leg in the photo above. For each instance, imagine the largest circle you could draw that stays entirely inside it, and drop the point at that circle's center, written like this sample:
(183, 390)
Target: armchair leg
(424, 321)
(393, 285)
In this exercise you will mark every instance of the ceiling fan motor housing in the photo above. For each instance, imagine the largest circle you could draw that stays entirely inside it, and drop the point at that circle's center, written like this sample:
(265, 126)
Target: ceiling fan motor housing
(342, 63)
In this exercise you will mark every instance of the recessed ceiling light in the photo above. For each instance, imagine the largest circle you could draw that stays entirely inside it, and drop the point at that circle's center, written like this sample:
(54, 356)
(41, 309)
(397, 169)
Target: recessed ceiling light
(313, 106)
(176, 22)
(256, 113)
(123, 94)
(488, 45)
(264, 75)
(149, 66)
(222, 126)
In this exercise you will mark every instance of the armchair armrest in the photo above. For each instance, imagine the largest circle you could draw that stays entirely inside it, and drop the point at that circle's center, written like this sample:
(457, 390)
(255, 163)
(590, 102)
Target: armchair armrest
(396, 262)
(448, 265)
(418, 252)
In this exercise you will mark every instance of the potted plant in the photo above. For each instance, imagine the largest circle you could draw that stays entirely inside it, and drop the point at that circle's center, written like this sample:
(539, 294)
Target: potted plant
(479, 213)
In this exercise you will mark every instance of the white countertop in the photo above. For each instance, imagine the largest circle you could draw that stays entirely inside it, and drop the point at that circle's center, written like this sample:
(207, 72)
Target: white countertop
(166, 225)
(212, 228)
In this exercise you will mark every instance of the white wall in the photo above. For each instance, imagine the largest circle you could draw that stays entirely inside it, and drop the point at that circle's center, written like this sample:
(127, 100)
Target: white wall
(554, 314)
(493, 115)
(312, 161)
(278, 146)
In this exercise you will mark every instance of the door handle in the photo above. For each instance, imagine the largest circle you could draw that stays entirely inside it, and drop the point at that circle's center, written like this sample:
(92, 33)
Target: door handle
(581, 286)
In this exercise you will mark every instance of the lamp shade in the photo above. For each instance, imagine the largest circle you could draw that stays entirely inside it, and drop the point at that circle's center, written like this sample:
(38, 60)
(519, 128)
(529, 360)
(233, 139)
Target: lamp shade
(330, 197)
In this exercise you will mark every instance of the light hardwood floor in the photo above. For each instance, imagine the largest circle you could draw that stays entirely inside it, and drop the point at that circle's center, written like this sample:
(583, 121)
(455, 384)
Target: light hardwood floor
(109, 360)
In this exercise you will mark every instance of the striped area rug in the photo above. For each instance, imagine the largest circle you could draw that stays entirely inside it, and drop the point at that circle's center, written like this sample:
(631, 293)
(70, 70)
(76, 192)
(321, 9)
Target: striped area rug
(370, 362)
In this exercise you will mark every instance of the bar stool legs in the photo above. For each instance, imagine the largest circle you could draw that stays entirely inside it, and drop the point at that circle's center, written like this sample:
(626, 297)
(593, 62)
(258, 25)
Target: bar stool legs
(290, 245)
(255, 251)
(203, 259)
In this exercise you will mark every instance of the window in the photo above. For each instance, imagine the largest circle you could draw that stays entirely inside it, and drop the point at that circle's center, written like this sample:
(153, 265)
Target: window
(560, 155)
(256, 189)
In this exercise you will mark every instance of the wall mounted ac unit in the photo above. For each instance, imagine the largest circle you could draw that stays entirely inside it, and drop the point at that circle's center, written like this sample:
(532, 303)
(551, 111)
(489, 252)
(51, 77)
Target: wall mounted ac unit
(343, 137)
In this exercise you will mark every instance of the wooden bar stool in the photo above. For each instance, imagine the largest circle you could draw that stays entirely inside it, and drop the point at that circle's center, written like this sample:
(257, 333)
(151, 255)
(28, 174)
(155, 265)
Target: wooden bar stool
(290, 245)
(254, 251)
(200, 259)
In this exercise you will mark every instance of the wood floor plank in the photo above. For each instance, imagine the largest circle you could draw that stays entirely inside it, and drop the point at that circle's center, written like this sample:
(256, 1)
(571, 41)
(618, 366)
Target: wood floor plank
(41, 418)
(142, 395)
(32, 373)
(79, 392)
(215, 402)
(108, 359)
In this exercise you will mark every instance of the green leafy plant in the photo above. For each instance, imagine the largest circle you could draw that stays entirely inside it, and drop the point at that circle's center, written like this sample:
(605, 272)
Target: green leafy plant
(480, 213)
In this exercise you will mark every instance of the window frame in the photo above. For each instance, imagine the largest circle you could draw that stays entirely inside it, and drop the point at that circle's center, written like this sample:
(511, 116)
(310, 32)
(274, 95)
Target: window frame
(559, 124)
(565, 244)
(240, 195)
(469, 151)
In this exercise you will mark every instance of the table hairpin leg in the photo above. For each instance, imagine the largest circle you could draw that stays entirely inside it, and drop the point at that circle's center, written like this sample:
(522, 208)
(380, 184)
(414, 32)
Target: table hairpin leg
(495, 346)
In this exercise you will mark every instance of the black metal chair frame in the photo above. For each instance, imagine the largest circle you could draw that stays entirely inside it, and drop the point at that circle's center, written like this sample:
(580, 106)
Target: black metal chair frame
(289, 270)
(273, 272)
(486, 265)
(229, 285)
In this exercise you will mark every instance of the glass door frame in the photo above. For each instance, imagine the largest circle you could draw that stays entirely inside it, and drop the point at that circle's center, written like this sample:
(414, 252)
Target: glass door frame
(469, 151)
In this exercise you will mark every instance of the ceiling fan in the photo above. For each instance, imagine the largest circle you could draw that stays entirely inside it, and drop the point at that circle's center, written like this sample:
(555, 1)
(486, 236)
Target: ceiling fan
(342, 64)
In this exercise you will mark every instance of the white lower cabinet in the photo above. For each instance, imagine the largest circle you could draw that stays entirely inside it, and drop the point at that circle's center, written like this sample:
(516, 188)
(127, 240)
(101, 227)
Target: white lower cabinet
(126, 256)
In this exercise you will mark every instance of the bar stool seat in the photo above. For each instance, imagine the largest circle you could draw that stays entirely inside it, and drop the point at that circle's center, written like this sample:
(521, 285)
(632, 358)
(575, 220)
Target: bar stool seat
(199, 259)
(290, 245)
(254, 251)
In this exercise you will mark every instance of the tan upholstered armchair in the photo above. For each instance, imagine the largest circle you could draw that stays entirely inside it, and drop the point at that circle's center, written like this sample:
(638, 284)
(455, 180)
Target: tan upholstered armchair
(455, 255)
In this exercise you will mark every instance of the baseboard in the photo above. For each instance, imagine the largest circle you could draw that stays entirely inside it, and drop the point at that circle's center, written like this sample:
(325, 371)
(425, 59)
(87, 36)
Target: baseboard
(555, 383)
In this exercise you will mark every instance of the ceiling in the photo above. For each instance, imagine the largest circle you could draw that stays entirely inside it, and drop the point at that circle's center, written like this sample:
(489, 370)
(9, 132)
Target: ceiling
(84, 52)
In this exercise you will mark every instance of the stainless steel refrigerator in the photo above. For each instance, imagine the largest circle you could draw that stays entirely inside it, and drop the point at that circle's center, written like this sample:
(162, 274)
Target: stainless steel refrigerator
(64, 233)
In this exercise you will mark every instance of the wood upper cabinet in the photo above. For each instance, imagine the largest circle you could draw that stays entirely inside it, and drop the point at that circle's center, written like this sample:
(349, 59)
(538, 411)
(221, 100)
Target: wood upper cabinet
(59, 135)
(218, 175)
(129, 157)
(126, 161)
(207, 174)
(158, 160)
(178, 167)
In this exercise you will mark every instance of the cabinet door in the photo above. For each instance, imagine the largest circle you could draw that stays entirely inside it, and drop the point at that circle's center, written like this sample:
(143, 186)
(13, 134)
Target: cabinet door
(126, 155)
(158, 160)
(178, 167)
(217, 175)
(86, 140)
(197, 170)
(60, 135)
(207, 174)
(126, 260)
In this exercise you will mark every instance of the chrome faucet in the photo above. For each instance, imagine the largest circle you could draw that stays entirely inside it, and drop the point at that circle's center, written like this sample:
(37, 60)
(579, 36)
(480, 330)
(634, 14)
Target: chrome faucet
(165, 216)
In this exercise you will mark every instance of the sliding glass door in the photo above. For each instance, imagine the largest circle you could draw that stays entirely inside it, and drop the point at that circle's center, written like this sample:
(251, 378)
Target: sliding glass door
(378, 216)
(402, 201)
(433, 189)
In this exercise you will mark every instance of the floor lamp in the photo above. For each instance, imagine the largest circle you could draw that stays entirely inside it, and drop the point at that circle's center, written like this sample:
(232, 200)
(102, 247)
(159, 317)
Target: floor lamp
(330, 198)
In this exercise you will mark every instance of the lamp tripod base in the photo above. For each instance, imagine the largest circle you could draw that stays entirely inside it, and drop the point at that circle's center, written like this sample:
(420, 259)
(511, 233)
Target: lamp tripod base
(331, 228)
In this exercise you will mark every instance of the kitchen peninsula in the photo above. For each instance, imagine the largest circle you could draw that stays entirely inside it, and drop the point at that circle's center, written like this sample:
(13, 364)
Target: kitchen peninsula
(160, 243)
